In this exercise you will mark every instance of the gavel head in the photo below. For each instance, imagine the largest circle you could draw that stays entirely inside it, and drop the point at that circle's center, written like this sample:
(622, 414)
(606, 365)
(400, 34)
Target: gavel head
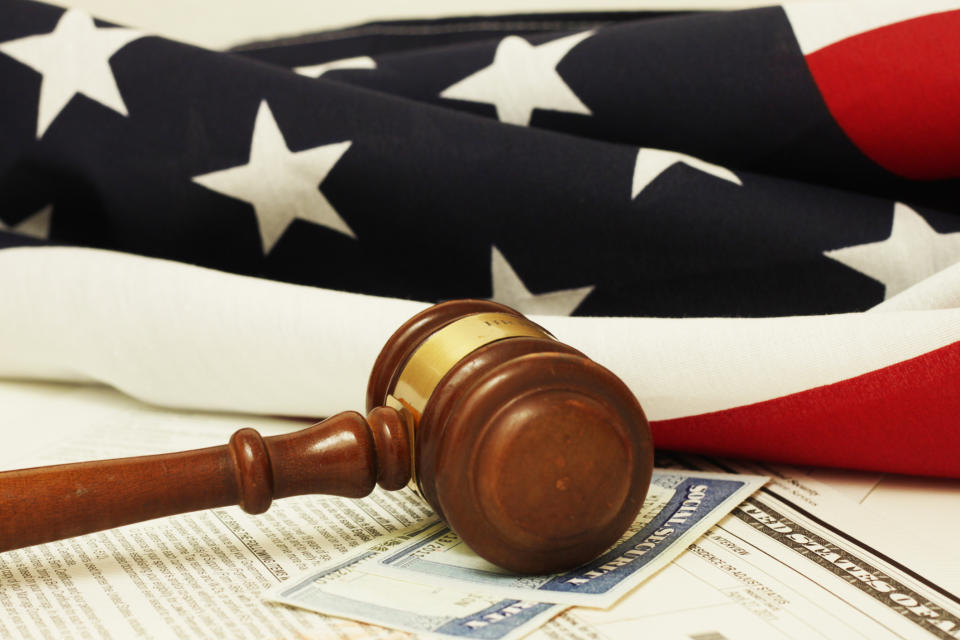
(538, 457)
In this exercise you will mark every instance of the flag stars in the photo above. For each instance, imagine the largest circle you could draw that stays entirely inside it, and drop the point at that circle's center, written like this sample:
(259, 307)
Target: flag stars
(523, 77)
(913, 252)
(651, 163)
(508, 289)
(343, 64)
(73, 58)
(282, 185)
(34, 226)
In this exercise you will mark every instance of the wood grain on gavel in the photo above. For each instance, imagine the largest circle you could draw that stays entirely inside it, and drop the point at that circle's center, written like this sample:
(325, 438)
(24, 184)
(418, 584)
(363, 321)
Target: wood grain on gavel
(536, 456)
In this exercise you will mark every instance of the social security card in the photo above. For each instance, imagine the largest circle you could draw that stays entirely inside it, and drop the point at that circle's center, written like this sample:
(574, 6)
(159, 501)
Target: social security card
(343, 589)
(680, 506)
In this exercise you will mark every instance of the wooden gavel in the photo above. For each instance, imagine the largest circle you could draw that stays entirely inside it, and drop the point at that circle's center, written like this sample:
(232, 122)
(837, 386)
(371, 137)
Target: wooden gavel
(538, 457)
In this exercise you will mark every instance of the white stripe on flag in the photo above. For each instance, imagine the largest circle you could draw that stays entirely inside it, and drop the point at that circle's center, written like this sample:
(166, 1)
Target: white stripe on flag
(820, 24)
(185, 336)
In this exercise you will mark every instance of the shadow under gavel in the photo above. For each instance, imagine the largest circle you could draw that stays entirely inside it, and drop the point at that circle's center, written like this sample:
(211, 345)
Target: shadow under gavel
(536, 456)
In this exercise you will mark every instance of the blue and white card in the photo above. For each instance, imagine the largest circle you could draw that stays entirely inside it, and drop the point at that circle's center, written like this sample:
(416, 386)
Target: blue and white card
(342, 589)
(680, 506)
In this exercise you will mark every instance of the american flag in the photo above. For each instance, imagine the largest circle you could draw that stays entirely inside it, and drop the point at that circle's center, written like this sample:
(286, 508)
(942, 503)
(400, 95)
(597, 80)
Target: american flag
(753, 216)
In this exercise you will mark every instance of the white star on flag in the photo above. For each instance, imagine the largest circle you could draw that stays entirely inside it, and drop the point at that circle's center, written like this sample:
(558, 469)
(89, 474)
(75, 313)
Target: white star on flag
(652, 162)
(281, 184)
(508, 289)
(913, 252)
(73, 58)
(317, 70)
(35, 226)
(522, 78)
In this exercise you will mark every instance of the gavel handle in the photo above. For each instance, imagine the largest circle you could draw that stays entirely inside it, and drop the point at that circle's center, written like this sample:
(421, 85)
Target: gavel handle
(343, 455)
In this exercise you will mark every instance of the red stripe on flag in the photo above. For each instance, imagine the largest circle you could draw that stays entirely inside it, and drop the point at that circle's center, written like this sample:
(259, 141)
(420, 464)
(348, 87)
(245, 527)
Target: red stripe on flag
(904, 418)
(895, 91)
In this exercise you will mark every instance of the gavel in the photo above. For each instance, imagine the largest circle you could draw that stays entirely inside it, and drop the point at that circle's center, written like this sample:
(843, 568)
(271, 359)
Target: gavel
(536, 456)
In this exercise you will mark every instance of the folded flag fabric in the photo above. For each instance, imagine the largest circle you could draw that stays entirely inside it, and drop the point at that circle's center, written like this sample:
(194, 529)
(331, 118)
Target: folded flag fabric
(751, 216)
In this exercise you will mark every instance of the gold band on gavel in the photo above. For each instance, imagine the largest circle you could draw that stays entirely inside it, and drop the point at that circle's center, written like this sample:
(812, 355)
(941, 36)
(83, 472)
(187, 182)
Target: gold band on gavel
(445, 348)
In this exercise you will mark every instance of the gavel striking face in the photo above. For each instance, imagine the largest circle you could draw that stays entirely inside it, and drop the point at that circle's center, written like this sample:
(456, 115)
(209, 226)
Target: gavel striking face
(536, 456)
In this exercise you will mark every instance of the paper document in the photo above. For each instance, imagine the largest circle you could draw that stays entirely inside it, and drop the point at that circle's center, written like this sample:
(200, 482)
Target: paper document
(680, 506)
(774, 569)
(198, 575)
(744, 581)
